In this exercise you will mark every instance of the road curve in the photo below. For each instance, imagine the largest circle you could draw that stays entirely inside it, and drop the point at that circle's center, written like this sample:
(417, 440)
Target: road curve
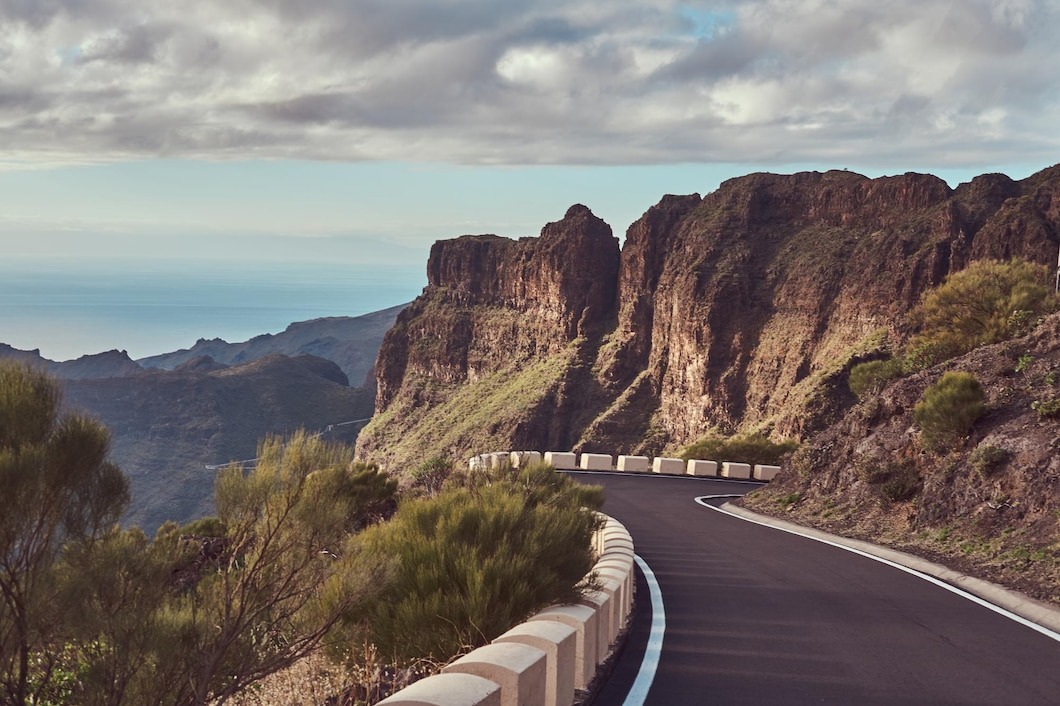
(759, 616)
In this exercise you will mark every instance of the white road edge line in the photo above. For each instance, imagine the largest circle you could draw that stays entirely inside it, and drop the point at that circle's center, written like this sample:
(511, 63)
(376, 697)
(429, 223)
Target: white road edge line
(930, 579)
(646, 675)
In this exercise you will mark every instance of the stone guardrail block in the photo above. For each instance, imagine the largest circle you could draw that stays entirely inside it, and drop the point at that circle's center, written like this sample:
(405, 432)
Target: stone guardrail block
(668, 466)
(585, 622)
(763, 472)
(519, 670)
(522, 459)
(562, 460)
(558, 642)
(633, 463)
(603, 602)
(735, 470)
(447, 690)
(475, 463)
(499, 458)
(596, 462)
(702, 468)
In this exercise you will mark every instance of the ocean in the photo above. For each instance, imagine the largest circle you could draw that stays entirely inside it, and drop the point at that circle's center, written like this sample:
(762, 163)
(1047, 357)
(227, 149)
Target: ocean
(68, 309)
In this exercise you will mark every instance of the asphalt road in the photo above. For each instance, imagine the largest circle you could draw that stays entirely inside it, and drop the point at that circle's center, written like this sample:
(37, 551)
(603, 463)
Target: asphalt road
(758, 616)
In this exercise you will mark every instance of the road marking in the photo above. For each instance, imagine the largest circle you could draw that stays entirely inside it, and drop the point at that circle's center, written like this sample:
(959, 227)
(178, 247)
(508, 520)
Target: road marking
(639, 691)
(913, 572)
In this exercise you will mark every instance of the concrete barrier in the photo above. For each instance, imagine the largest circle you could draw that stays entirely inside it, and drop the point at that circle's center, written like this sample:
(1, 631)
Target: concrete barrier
(668, 466)
(702, 468)
(562, 460)
(596, 462)
(522, 459)
(763, 472)
(735, 470)
(447, 690)
(586, 625)
(497, 459)
(519, 670)
(603, 602)
(633, 463)
(557, 641)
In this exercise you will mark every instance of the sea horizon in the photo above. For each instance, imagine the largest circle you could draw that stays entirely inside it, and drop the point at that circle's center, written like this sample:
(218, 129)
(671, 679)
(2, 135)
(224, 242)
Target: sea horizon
(68, 308)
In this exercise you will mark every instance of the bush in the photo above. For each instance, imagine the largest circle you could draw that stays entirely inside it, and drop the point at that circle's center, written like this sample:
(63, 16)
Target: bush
(472, 561)
(871, 377)
(740, 448)
(898, 480)
(1047, 409)
(949, 409)
(987, 459)
(987, 302)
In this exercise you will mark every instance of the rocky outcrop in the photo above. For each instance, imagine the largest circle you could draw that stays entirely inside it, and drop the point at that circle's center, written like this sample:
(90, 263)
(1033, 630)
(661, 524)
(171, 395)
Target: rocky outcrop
(739, 310)
(500, 343)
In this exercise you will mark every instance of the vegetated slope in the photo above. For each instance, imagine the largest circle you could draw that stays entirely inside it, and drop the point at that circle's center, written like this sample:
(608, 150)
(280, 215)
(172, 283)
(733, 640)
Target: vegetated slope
(990, 504)
(351, 342)
(740, 310)
(167, 426)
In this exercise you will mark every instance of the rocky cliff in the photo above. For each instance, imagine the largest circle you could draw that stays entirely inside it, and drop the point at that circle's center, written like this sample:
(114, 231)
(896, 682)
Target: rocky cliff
(742, 309)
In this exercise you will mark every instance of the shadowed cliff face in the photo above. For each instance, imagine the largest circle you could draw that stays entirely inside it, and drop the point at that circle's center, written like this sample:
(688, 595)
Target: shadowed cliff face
(743, 309)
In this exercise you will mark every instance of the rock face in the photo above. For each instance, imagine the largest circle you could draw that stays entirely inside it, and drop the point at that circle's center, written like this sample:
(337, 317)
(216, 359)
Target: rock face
(743, 309)
(497, 344)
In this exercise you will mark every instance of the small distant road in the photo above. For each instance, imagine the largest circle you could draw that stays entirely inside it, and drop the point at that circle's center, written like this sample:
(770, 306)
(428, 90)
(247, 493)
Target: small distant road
(758, 616)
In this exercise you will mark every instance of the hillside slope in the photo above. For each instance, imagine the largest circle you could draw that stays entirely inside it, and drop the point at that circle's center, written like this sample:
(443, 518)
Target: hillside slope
(740, 310)
(168, 425)
(998, 512)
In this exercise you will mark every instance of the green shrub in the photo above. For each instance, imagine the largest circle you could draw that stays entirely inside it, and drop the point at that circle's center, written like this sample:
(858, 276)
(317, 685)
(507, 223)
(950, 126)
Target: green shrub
(987, 459)
(740, 448)
(898, 480)
(871, 377)
(989, 301)
(948, 409)
(1047, 408)
(472, 561)
(429, 477)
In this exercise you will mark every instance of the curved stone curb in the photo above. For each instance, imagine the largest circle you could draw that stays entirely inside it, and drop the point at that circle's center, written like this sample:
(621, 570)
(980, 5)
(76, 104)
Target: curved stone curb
(545, 659)
(1031, 609)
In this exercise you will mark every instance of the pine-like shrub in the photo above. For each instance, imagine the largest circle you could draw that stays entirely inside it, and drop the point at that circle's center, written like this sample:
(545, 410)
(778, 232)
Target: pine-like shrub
(740, 448)
(870, 378)
(987, 302)
(949, 409)
(471, 562)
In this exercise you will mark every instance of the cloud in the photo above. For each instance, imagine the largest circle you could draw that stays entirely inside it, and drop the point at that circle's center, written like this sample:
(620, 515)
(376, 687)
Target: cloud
(952, 82)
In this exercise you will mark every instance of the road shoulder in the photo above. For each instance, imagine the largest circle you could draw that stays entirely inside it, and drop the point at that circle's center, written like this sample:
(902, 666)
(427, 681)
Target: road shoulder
(1024, 606)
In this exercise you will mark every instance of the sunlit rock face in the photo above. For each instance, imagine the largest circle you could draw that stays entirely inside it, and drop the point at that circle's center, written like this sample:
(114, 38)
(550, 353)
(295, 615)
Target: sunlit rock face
(742, 309)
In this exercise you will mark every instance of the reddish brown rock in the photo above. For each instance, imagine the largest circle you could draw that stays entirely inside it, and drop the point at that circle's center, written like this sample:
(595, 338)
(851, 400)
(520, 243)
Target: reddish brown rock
(743, 309)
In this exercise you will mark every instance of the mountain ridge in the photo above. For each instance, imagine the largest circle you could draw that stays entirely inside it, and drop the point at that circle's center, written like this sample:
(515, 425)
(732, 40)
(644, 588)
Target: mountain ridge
(739, 310)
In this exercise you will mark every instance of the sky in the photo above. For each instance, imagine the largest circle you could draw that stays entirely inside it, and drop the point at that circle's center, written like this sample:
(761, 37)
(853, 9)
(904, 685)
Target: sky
(363, 130)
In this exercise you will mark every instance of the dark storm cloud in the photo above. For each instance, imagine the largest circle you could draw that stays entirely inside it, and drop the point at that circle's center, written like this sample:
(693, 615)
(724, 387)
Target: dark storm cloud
(529, 81)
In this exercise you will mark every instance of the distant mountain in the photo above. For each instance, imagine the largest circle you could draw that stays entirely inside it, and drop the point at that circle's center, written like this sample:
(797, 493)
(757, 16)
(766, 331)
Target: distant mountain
(212, 403)
(99, 365)
(167, 426)
(351, 342)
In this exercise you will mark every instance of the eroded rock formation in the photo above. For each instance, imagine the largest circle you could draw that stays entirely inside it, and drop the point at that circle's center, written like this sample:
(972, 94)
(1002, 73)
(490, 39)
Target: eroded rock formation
(743, 309)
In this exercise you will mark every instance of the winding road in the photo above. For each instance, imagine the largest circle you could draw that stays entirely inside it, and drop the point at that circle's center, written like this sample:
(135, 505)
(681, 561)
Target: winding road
(754, 615)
